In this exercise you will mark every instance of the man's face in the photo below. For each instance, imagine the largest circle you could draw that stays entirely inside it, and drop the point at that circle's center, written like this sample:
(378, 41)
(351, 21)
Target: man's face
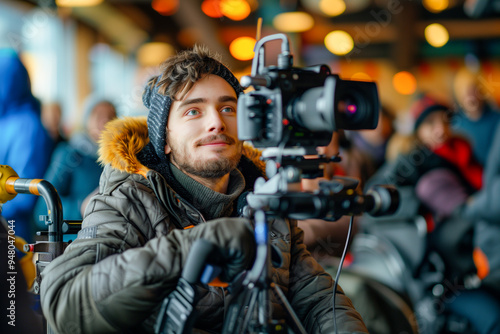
(472, 101)
(202, 136)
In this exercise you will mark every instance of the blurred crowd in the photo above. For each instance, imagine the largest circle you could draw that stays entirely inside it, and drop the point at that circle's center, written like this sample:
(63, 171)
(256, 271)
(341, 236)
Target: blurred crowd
(450, 166)
(35, 145)
(451, 160)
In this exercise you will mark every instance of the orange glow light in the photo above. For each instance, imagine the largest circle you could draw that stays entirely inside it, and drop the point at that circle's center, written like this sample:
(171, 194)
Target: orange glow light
(235, 10)
(165, 7)
(211, 8)
(293, 21)
(404, 82)
(361, 76)
(242, 48)
(435, 6)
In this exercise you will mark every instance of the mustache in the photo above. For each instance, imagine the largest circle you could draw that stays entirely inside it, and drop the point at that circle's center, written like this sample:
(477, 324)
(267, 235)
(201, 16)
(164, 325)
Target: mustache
(222, 137)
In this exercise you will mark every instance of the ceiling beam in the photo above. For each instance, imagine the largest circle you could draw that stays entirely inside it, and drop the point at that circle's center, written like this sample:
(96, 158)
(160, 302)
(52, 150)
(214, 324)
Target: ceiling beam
(120, 30)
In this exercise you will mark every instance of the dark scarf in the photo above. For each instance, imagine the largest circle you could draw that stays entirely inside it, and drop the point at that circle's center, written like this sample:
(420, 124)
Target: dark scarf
(212, 203)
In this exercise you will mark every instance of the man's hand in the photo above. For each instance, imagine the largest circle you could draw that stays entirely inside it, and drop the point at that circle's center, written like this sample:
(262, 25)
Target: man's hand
(235, 245)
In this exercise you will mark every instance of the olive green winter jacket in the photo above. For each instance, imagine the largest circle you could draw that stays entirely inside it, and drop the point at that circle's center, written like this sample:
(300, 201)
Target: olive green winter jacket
(129, 254)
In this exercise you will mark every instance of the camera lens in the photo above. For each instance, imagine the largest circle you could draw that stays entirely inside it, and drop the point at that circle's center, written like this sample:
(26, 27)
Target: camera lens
(356, 105)
(347, 106)
(350, 109)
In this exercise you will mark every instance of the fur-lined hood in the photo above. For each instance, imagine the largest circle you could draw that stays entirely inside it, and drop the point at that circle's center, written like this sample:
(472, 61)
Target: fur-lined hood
(124, 138)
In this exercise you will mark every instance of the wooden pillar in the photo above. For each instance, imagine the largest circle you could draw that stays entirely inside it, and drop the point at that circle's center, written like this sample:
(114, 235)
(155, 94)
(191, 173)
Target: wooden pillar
(406, 46)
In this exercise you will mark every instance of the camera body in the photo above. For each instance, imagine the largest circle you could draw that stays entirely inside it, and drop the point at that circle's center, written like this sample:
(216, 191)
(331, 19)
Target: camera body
(301, 106)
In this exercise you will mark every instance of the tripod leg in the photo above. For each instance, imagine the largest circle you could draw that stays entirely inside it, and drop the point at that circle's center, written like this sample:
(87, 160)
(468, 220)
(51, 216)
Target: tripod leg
(240, 312)
(249, 311)
(264, 307)
(295, 320)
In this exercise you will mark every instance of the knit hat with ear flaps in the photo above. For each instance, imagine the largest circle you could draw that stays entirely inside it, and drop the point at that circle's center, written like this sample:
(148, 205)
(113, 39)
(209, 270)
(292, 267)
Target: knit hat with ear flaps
(159, 108)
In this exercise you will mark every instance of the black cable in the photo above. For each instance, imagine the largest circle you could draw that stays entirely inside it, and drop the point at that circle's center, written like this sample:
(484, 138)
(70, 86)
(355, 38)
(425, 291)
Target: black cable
(339, 269)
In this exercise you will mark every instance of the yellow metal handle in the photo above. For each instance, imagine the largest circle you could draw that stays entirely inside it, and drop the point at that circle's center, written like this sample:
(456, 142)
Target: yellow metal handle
(7, 178)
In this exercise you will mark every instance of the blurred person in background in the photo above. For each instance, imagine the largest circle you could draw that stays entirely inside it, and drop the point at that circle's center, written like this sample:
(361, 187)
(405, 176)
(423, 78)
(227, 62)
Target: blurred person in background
(52, 120)
(432, 146)
(475, 118)
(74, 170)
(483, 208)
(24, 143)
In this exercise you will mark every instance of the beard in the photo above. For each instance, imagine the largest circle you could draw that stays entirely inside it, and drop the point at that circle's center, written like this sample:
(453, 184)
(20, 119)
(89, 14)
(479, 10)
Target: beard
(211, 169)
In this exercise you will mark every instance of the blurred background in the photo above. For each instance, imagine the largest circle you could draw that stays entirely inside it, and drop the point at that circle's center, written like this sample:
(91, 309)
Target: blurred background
(74, 48)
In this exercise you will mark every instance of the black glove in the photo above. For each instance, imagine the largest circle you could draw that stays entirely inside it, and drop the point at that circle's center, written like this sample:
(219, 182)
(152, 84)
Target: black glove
(234, 241)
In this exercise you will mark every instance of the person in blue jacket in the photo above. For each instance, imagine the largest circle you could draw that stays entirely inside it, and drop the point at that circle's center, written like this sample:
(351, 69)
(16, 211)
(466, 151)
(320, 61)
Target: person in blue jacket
(24, 142)
(476, 117)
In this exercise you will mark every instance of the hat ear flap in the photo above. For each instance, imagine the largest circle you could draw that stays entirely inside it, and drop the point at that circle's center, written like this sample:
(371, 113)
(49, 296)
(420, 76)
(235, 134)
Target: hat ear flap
(148, 92)
(159, 107)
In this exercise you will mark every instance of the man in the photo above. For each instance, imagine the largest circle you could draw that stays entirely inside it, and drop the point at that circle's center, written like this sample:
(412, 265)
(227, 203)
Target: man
(475, 117)
(136, 232)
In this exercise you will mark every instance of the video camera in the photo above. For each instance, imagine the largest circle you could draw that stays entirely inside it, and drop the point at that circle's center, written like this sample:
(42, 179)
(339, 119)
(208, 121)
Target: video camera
(290, 113)
(301, 106)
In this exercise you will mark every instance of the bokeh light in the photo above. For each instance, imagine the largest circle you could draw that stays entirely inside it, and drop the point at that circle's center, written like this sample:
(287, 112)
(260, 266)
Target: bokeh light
(435, 6)
(339, 42)
(165, 7)
(293, 22)
(242, 48)
(436, 35)
(235, 10)
(77, 3)
(154, 53)
(211, 8)
(332, 7)
(404, 83)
